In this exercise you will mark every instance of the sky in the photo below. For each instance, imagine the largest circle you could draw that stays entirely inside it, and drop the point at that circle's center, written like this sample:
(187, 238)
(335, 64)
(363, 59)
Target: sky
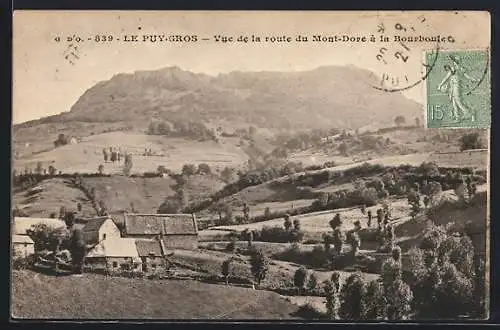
(45, 83)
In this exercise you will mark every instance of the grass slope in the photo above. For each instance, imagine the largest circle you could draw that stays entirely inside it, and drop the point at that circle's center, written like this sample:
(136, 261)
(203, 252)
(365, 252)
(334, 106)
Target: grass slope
(48, 196)
(96, 297)
(173, 153)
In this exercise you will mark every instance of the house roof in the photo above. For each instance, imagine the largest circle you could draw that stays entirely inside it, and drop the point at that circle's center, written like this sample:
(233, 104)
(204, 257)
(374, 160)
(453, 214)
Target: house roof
(148, 247)
(155, 224)
(114, 247)
(94, 224)
(22, 239)
(22, 224)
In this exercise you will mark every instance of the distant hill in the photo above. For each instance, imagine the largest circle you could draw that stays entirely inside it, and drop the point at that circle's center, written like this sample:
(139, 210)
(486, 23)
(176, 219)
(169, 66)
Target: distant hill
(331, 96)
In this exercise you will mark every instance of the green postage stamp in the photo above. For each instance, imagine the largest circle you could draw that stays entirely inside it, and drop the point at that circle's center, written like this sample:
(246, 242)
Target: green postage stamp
(458, 89)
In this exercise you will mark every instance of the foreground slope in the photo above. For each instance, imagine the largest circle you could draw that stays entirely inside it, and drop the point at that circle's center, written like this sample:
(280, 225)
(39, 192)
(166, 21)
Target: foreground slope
(97, 297)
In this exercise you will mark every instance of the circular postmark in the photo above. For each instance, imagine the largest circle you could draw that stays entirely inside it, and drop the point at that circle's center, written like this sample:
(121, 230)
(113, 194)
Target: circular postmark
(407, 51)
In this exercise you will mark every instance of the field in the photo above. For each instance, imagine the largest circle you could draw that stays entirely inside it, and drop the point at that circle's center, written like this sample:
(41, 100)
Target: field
(319, 221)
(96, 297)
(173, 153)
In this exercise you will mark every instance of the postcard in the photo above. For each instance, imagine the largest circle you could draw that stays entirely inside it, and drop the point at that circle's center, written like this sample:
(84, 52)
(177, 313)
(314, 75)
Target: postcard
(250, 165)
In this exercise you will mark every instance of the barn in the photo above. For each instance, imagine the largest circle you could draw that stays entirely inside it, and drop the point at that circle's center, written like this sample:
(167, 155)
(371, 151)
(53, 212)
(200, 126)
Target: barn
(176, 231)
(114, 255)
(22, 246)
(151, 254)
(98, 229)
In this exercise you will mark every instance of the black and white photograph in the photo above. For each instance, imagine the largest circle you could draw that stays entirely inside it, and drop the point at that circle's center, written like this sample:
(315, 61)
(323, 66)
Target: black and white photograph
(250, 165)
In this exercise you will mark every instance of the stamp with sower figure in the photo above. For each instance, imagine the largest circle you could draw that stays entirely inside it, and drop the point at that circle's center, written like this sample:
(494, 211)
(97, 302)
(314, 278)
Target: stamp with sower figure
(458, 90)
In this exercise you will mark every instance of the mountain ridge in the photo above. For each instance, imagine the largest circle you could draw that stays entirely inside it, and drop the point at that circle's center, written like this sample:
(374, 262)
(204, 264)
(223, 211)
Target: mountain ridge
(328, 96)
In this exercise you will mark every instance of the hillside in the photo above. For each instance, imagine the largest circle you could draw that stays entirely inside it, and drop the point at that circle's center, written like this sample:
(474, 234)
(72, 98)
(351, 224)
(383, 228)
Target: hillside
(118, 193)
(173, 153)
(97, 297)
(310, 99)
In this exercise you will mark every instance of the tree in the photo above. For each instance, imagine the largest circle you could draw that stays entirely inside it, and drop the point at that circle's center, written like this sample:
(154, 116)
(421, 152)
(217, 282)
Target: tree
(100, 169)
(127, 166)
(103, 210)
(336, 222)
(163, 128)
(398, 295)
(267, 213)
(433, 189)
(414, 201)
(343, 149)
(375, 301)
(227, 269)
(323, 199)
(471, 141)
(250, 238)
(246, 212)
(296, 224)
(228, 214)
(52, 170)
(204, 168)
(227, 174)
(62, 213)
(312, 283)
(188, 169)
(299, 279)
(170, 206)
(39, 168)
(355, 243)
(287, 223)
(259, 266)
(399, 121)
(331, 300)
(161, 170)
(46, 237)
(352, 297)
(338, 240)
(390, 236)
(327, 241)
(369, 224)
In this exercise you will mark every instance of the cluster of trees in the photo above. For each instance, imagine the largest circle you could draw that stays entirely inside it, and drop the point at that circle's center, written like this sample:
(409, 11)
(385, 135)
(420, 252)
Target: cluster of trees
(471, 141)
(446, 275)
(289, 233)
(259, 266)
(30, 178)
(192, 129)
(191, 169)
(62, 140)
(430, 191)
(387, 298)
(444, 279)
